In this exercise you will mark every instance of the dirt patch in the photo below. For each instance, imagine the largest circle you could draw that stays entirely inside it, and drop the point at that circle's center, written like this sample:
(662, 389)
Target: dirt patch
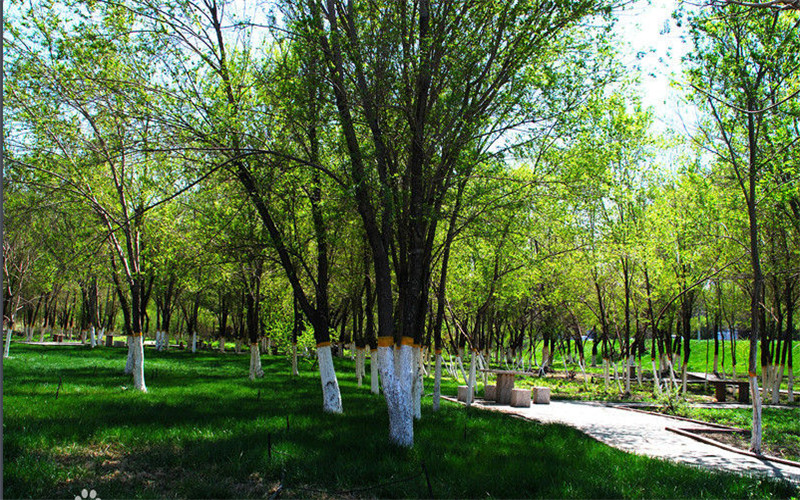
(100, 465)
(742, 441)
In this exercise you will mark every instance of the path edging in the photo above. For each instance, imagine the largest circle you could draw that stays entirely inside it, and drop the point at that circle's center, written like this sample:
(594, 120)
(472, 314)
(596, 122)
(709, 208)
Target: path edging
(714, 442)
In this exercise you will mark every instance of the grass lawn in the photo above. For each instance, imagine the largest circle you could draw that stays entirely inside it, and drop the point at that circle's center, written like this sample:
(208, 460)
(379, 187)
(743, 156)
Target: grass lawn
(205, 431)
(780, 427)
(564, 387)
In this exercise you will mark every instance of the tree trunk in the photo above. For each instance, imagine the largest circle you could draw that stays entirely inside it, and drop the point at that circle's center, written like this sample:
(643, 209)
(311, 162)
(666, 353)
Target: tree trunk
(255, 362)
(437, 381)
(417, 382)
(295, 371)
(129, 363)
(137, 348)
(7, 347)
(395, 372)
(473, 360)
(331, 397)
(374, 379)
(359, 363)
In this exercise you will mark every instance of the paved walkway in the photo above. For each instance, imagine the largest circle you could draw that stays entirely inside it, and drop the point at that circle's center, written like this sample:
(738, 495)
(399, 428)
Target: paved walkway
(645, 434)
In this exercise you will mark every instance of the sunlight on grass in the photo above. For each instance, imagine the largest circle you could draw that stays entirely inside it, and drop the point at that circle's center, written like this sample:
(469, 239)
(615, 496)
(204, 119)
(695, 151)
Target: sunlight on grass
(204, 430)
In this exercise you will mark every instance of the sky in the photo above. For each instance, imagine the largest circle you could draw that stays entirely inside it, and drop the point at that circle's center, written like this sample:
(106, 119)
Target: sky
(654, 43)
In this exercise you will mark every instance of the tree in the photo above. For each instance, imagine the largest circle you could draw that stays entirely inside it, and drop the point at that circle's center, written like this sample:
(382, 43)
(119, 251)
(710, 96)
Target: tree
(740, 71)
(400, 70)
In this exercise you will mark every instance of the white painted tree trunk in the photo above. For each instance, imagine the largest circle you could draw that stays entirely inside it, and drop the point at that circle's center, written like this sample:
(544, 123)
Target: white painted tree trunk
(331, 397)
(627, 366)
(437, 382)
(129, 362)
(460, 366)
(222, 344)
(165, 339)
(194, 341)
(137, 345)
(42, 334)
(7, 347)
(101, 336)
(765, 371)
(374, 379)
(790, 385)
(268, 350)
(484, 366)
(295, 372)
(360, 363)
(471, 382)
(417, 382)
(617, 378)
(238, 346)
(656, 384)
(396, 376)
(92, 342)
(255, 362)
(606, 375)
(639, 371)
(776, 389)
(83, 336)
(545, 357)
(426, 365)
(755, 432)
(684, 376)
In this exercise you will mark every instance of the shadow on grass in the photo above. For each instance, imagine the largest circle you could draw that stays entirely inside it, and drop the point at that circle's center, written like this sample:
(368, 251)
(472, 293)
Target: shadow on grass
(205, 431)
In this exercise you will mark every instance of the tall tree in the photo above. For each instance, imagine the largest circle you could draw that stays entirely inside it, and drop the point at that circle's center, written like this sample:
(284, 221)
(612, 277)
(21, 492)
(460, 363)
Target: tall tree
(741, 71)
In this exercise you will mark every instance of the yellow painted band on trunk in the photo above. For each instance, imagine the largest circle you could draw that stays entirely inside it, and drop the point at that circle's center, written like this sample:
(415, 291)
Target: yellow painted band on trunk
(253, 344)
(416, 346)
(407, 341)
(374, 350)
(438, 351)
(359, 348)
(385, 341)
(136, 334)
(752, 374)
(323, 344)
(475, 351)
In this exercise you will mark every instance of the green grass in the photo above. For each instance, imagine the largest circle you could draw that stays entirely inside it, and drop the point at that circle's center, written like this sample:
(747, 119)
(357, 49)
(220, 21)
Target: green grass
(701, 355)
(780, 427)
(563, 388)
(205, 431)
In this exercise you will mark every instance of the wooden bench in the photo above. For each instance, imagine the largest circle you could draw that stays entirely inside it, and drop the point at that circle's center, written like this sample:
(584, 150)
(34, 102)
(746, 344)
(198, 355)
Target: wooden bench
(721, 389)
(721, 385)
